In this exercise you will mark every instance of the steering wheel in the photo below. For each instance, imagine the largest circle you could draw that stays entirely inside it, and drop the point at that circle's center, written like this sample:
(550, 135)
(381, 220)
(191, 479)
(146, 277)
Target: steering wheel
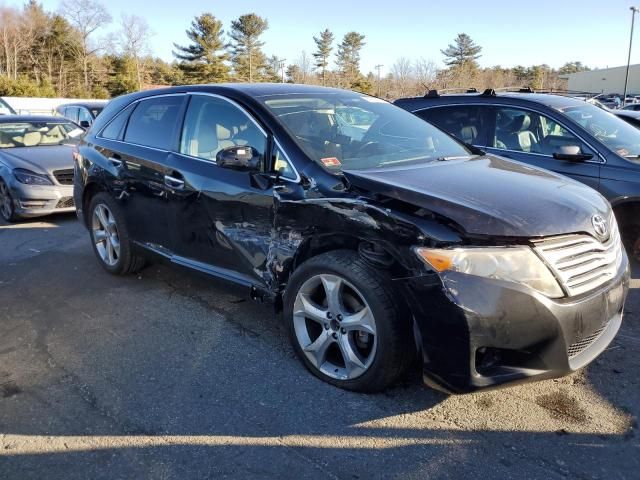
(369, 148)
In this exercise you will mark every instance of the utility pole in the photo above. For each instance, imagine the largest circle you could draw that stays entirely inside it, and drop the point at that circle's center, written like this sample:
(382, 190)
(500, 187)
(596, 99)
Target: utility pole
(282, 61)
(378, 67)
(634, 10)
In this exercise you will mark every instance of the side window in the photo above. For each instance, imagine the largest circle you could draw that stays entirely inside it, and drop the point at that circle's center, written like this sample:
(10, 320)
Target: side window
(84, 115)
(212, 124)
(463, 122)
(71, 113)
(153, 121)
(530, 132)
(114, 129)
(282, 164)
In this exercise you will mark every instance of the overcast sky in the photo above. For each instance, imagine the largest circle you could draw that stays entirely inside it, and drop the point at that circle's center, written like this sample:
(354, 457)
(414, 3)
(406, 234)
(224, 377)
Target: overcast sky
(510, 32)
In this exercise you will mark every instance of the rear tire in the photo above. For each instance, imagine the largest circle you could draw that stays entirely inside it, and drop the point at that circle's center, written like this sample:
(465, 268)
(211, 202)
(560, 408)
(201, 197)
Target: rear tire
(378, 338)
(110, 237)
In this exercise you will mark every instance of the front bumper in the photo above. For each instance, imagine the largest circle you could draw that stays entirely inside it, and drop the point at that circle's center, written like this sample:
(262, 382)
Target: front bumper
(479, 333)
(38, 200)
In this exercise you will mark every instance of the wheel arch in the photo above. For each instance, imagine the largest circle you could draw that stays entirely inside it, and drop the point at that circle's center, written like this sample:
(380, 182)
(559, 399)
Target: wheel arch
(90, 190)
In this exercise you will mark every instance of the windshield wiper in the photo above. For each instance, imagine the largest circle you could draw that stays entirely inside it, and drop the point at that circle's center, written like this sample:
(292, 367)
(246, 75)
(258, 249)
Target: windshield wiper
(455, 157)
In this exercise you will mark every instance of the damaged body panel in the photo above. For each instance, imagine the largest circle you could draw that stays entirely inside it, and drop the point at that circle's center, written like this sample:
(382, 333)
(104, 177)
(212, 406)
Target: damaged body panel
(255, 184)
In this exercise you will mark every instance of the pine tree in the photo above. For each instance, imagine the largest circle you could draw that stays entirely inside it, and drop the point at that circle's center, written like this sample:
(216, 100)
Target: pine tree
(348, 57)
(247, 57)
(462, 53)
(324, 44)
(203, 60)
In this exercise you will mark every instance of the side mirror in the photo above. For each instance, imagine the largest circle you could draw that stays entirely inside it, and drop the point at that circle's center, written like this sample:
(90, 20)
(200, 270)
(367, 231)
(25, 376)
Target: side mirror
(246, 158)
(572, 153)
(85, 124)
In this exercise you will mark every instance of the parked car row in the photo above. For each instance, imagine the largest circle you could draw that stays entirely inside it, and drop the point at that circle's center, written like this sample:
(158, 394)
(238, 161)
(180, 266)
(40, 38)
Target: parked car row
(382, 238)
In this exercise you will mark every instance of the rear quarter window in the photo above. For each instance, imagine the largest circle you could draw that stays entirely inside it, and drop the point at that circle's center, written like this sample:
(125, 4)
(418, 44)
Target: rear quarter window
(153, 122)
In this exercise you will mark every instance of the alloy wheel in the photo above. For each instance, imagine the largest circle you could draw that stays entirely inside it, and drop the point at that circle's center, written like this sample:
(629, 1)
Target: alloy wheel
(6, 206)
(105, 234)
(335, 327)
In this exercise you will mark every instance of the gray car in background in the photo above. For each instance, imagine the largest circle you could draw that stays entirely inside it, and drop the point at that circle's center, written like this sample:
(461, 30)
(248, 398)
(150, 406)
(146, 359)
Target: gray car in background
(36, 166)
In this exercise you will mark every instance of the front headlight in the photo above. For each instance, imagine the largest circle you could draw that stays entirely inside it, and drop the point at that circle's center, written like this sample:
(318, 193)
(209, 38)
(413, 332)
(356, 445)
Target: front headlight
(31, 178)
(512, 264)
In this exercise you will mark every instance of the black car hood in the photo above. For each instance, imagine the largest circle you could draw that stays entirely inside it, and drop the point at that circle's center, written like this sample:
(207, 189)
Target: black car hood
(43, 159)
(489, 195)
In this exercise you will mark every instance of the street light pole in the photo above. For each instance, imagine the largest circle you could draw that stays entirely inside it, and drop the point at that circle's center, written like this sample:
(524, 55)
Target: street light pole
(634, 10)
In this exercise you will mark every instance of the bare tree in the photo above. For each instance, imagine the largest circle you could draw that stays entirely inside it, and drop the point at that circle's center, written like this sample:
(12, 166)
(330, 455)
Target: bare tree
(426, 73)
(86, 16)
(305, 66)
(134, 41)
(402, 73)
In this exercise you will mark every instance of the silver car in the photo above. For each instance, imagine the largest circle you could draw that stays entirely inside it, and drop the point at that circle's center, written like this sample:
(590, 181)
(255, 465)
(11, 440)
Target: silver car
(36, 166)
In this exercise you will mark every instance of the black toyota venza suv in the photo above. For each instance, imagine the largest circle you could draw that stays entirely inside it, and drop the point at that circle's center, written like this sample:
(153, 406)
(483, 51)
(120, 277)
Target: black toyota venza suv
(378, 235)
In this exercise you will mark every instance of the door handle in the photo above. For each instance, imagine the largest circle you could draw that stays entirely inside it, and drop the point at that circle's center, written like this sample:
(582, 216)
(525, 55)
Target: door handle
(115, 160)
(173, 182)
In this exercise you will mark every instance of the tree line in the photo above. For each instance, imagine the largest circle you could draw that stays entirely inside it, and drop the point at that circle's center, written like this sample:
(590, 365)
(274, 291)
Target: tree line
(65, 53)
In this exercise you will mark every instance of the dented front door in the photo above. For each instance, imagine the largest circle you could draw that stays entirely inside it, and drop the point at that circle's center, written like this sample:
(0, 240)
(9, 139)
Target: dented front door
(221, 220)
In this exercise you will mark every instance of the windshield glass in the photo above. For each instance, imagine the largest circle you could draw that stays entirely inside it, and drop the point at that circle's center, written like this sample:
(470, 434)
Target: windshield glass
(351, 131)
(615, 133)
(96, 111)
(34, 134)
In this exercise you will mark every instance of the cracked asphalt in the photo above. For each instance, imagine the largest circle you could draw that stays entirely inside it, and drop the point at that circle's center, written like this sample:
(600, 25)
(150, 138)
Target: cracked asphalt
(172, 375)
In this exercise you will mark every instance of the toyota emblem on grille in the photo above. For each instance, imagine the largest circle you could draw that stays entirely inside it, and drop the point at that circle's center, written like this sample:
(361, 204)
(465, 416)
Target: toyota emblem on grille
(600, 226)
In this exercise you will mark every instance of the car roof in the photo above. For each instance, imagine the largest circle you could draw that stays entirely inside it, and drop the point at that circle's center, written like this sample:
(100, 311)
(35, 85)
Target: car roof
(627, 113)
(32, 118)
(254, 90)
(91, 104)
(555, 101)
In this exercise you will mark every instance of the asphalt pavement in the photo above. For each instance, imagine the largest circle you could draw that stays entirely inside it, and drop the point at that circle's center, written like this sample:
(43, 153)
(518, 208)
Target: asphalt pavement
(171, 375)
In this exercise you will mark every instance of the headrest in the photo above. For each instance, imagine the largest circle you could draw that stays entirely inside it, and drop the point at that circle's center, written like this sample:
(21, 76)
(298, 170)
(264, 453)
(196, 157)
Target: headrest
(520, 123)
(223, 133)
(31, 139)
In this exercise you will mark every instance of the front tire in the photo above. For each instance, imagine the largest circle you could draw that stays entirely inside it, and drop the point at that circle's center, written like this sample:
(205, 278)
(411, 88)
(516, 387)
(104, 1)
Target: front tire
(7, 209)
(110, 237)
(345, 324)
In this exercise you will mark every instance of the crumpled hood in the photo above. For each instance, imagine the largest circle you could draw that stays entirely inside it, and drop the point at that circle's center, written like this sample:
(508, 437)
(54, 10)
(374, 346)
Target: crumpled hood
(489, 195)
(44, 159)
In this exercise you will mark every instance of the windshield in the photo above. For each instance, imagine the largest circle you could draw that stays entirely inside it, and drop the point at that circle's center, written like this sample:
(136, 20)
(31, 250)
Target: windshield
(615, 133)
(351, 131)
(96, 111)
(34, 134)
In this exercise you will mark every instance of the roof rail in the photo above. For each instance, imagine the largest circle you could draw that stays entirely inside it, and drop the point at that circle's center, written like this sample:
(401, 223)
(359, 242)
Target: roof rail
(436, 93)
(489, 92)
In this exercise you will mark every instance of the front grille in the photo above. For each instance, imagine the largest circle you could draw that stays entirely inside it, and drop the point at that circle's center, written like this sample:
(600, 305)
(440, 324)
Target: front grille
(581, 262)
(580, 346)
(65, 202)
(64, 177)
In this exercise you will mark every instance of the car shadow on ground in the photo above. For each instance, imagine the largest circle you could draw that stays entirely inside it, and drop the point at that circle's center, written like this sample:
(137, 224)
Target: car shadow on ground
(170, 375)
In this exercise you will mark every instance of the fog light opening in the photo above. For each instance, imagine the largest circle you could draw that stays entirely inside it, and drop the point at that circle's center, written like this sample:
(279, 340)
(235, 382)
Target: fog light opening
(492, 361)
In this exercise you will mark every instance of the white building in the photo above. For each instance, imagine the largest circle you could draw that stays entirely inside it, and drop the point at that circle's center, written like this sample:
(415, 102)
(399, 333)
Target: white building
(606, 80)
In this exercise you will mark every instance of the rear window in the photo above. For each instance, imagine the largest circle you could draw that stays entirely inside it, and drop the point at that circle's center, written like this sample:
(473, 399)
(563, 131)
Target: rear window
(153, 122)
